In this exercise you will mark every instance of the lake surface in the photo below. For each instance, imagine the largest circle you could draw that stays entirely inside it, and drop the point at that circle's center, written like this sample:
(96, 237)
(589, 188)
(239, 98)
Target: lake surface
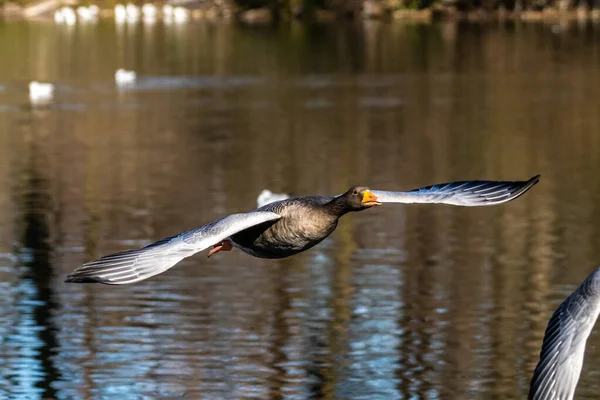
(401, 302)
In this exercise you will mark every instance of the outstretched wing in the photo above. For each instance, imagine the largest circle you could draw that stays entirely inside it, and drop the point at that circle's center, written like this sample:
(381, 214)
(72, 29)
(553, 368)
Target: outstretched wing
(464, 193)
(136, 265)
(561, 358)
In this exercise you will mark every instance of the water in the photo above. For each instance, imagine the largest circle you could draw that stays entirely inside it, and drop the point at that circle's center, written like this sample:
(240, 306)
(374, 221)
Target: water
(402, 302)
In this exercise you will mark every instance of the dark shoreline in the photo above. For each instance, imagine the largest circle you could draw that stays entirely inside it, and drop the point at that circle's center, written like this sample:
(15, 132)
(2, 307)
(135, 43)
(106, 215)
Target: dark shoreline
(436, 11)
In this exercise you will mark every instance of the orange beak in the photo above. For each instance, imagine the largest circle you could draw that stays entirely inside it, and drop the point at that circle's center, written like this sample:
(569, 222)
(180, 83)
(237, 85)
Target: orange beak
(369, 199)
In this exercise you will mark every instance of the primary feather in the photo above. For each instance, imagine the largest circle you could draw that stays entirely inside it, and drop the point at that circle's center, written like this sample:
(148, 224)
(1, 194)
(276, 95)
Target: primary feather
(135, 265)
(563, 348)
(463, 193)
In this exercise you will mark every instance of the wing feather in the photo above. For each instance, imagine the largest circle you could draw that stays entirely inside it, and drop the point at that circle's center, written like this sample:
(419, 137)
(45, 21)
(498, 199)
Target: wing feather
(561, 358)
(463, 193)
(136, 265)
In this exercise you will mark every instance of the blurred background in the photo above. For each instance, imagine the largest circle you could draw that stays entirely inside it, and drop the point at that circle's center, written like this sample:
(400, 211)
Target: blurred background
(401, 302)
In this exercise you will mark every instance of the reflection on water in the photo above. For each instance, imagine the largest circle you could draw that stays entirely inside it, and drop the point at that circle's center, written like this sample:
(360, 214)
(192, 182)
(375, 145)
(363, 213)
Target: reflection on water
(401, 302)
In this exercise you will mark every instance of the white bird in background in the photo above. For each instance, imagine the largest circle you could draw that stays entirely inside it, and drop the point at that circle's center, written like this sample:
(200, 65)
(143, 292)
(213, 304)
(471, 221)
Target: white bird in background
(120, 13)
(266, 197)
(40, 92)
(123, 77)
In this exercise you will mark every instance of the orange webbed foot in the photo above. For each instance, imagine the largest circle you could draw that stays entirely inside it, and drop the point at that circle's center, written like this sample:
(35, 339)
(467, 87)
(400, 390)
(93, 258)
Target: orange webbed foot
(225, 245)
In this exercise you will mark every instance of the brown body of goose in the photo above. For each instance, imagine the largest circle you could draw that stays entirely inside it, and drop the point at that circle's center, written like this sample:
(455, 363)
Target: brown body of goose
(284, 228)
(305, 222)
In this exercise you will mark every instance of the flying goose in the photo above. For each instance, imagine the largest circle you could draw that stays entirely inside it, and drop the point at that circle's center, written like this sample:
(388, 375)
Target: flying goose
(283, 228)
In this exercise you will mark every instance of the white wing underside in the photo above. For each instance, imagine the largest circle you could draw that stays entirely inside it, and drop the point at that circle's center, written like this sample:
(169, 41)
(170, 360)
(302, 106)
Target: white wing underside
(563, 348)
(135, 265)
(464, 193)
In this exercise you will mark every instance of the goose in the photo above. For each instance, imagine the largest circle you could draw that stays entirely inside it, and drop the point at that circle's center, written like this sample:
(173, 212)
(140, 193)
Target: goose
(40, 91)
(124, 77)
(556, 375)
(266, 196)
(283, 228)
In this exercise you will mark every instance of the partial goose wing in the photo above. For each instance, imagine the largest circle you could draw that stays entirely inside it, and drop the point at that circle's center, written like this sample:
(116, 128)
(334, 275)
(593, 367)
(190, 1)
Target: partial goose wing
(464, 193)
(267, 197)
(136, 265)
(561, 358)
